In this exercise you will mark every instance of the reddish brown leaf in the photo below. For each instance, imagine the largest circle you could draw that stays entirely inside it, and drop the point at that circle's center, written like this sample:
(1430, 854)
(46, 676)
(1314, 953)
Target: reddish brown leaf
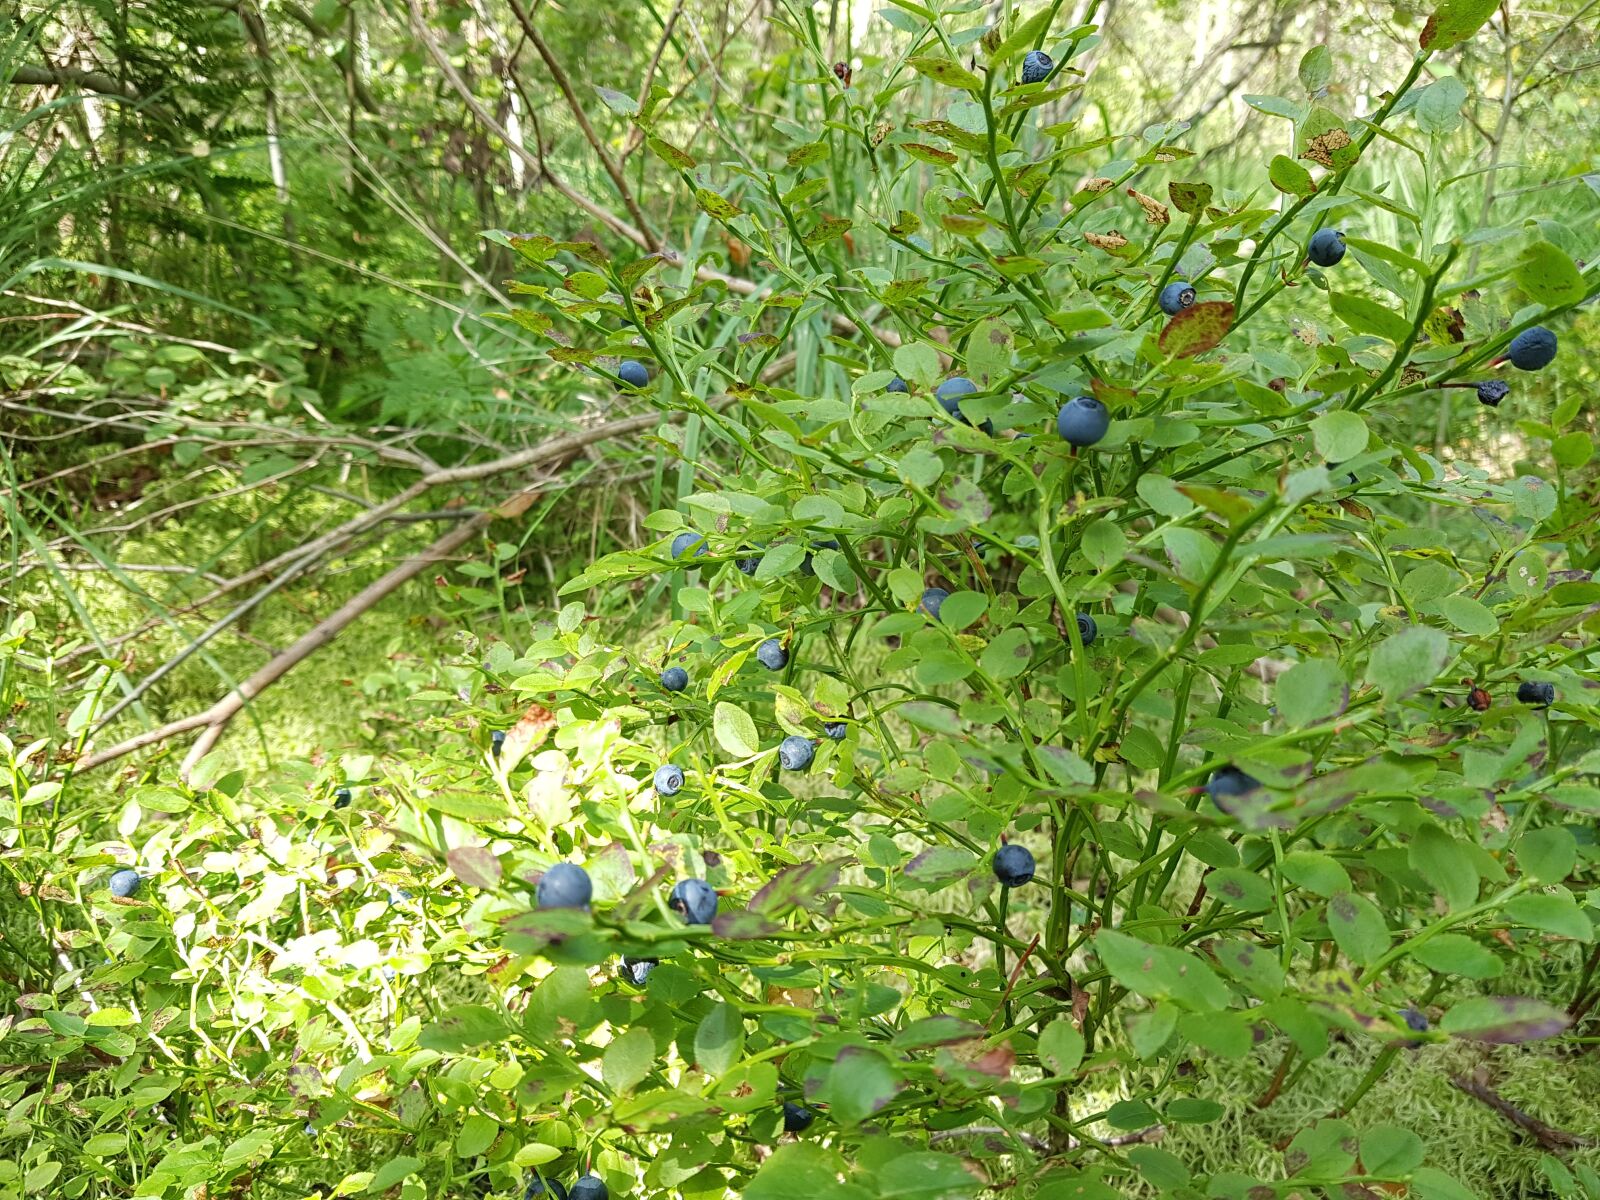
(1197, 329)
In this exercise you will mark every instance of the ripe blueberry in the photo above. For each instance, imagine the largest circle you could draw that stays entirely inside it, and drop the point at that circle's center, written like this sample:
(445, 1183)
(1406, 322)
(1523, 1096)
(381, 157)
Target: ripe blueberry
(497, 740)
(1087, 629)
(1492, 391)
(589, 1187)
(1230, 781)
(1414, 1020)
(694, 900)
(637, 970)
(674, 679)
(835, 731)
(669, 779)
(1175, 297)
(565, 885)
(897, 385)
(1532, 349)
(632, 373)
(747, 565)
(796, 1118)
(949, 397)
(932, 601)
(341, 798)
(1541, 695)
(1326, 247)
(1013, 865)
(1036, 67)
(796, 753)
(685, 541)
(1083, 421)
(538, 1187)
(124, 882)
(771, 655)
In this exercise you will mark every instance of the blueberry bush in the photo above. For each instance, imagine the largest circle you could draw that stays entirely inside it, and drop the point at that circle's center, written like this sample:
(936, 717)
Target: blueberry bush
(1089, 674)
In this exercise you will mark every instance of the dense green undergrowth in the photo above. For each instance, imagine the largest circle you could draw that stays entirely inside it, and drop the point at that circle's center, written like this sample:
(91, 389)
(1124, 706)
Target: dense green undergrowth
(1268, 642)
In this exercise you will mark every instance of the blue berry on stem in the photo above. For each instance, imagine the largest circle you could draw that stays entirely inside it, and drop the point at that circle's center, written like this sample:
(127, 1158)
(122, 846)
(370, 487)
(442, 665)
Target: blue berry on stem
(539, 1187)
(749, 564)
(674, 679)
(589, 1187)
(1036, 67)
(1083, 421)
(796, 753)
(949, 397)
(1087, 629)
(637, 970)
(835, 731)
(686, 540)
(1229, 782)
(897, 385)
(1492, 391)
(1013, 865)
(497, 741)
(632, 373)
(1175, 297)
(1532, 349)
(694, 900)
(1541, 695)
(932, 601)
(124, 882)
(771, 655)
(1326, 247)
(341, 798)
(796, 1118)
(565, 885)
(669, 779)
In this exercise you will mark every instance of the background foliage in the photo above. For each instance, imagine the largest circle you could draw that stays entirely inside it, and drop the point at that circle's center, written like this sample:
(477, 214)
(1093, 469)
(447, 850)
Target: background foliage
(309, 326)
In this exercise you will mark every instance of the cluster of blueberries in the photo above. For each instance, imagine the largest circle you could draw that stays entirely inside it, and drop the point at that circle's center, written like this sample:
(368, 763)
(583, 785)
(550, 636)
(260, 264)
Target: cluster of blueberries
(588, 1187)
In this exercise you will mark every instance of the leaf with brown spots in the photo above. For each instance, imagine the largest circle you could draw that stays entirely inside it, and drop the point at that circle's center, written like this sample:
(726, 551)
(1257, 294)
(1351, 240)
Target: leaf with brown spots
(1106, 241)
(1324, 149)
(533, 727)
(1197, 329)
(1155, 212)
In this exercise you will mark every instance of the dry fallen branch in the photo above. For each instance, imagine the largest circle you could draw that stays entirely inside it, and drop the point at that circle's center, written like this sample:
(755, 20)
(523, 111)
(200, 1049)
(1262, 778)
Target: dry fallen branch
(1549, 1137)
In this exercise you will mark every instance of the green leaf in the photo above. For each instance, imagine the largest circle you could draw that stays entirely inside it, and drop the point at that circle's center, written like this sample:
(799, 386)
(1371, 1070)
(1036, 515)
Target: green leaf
(1409, 661)
(462, 1027)
(1446, 864)
(1504, 1020)
(860, 1083)
(1368, 316)
(1289, 176)
(1239, 888)
(1061, 1047)
(1025, 35)
(1149, 1031)
(1008, 655)
(1316, 872)
(1161, 972)
(1454, 21)
(628, 1059)
(1339, 435)
(1458, 954)
(1357, 927)
(735, 730)
(719, 1040)
(1104, 544)
(1190, 199)
(802, 1171)
(1554, 912)
(618, 102)
(1316, 68)
(1311, 692)
(1438, 106)
(1391, 1151)
(714, 205)
(925, 1175)
(1548, 274)
(1547, 855)
(392, 1172)
(946, 71)
(918, 363)
(1471, 617)
(478, 1133)
(1275, 106)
